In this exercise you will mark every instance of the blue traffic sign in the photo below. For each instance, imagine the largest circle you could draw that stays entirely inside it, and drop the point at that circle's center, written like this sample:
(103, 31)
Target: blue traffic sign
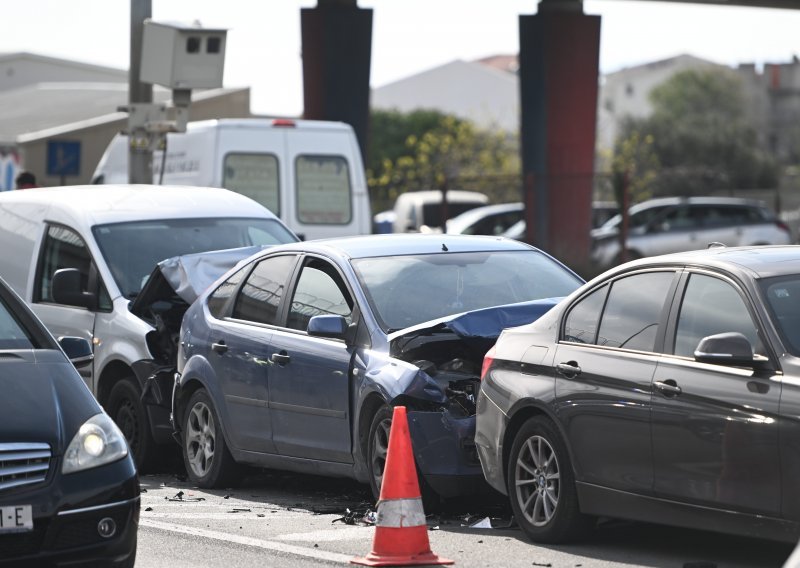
(63, 158)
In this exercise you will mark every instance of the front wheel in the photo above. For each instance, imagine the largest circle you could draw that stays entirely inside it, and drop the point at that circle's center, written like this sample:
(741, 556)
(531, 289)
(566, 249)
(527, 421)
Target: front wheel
(541, 485)
(208, 461)
(126, 409)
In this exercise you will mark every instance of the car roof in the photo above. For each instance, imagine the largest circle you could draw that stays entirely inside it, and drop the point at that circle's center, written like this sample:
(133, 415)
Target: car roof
(435, 196)
(468, 217)
(372, 246)
(702, 200)
(100, 204)
(759, 261)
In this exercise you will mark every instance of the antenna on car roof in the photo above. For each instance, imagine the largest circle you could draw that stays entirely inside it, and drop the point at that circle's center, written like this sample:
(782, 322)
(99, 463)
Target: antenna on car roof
(715, 245)
(444, 247)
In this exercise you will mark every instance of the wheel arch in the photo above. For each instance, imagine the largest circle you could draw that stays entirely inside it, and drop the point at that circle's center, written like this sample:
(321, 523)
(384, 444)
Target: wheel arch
(114, 371)
(372, 402)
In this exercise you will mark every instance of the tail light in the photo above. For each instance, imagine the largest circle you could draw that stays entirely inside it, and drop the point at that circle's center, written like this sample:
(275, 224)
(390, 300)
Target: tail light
(783, 226)
(488, 359)
(285, 122)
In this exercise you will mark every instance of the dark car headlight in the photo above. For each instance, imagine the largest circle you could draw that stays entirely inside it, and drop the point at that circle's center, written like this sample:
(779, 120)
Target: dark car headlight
(98, 442)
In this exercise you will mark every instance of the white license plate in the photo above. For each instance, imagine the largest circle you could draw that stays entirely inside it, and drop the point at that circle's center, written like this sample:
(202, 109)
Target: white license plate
(16, 518)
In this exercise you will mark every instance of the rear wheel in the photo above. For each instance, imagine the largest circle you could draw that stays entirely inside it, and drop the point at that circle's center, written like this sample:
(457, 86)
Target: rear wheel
(208, 461)
(126, 409)
(541, 485)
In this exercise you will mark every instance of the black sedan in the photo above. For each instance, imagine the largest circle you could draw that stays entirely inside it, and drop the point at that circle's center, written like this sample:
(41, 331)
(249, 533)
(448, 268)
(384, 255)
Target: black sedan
(69, 492)
(666, 390)
(294, 359)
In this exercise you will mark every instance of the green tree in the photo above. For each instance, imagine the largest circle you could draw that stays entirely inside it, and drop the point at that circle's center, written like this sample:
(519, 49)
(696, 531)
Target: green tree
(702, 137)
(437, 150)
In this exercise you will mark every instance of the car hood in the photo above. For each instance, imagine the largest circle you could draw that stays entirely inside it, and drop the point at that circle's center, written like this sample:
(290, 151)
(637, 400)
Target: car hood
(480, 326)
(187, 276)
(44, 400)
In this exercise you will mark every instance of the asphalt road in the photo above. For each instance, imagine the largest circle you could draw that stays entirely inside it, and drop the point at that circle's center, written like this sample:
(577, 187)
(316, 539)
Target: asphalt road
(299, 521)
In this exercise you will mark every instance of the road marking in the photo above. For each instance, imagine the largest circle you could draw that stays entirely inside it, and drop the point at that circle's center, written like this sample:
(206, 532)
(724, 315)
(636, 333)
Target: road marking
(330, 535)
(247, 541)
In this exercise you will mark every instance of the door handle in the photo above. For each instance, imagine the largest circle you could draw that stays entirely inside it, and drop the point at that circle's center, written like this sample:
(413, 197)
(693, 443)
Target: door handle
(668, 387)
(280, 358)
(569, 369)
(219, 347)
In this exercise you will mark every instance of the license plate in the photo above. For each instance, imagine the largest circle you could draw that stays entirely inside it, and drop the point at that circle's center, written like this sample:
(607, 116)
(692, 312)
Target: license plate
(16, 518)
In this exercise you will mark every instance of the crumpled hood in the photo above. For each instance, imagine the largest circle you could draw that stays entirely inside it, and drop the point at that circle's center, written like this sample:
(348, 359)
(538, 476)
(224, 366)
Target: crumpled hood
(478, 326)
(44, 399)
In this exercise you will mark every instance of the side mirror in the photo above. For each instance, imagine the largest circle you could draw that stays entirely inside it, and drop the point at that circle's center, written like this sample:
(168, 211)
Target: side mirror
(78, 350)
(67, 289)
(730, 348)
(328, 326)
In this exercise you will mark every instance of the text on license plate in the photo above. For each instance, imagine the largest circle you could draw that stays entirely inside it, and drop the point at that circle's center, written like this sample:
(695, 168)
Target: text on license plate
(16, 518)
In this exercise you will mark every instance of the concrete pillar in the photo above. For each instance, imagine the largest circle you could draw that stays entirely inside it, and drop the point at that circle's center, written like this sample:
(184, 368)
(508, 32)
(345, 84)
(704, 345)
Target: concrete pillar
(337, 41)
(559, 63)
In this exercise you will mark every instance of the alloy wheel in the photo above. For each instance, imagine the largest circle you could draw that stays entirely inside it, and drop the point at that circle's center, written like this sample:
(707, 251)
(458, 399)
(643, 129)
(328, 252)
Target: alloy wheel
(200, 439)
(537, 479)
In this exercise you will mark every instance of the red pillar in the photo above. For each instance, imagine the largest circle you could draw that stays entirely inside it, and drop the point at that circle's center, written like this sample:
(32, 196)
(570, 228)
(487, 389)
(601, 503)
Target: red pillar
(559, 56)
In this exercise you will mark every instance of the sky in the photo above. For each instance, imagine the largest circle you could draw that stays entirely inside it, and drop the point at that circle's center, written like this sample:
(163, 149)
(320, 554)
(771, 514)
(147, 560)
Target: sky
(408, 36)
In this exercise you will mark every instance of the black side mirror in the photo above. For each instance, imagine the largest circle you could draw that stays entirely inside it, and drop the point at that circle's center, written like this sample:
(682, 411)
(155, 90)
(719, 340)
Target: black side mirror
(730, 348)
(78, 350)
(67, 289)
(328, 326)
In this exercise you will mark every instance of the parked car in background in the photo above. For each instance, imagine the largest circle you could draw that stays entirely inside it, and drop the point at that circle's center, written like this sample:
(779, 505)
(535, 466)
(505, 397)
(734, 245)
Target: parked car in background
(309, 173)
(80, 257)
(68, 486)
(486, 220)
(674, 224)
(665, 390)
(422, 211)
(602, 211)
(295, 359)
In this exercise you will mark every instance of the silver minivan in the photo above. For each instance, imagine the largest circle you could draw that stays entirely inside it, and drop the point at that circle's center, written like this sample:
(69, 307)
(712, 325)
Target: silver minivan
(85, 259)
(676, 224)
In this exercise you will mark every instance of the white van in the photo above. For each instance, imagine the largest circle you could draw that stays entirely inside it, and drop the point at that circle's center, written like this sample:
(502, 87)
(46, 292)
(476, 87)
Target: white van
(308, 172)
(85, 259)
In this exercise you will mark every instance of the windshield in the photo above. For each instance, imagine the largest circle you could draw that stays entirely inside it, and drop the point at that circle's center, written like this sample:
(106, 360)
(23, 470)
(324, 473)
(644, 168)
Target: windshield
(407, 290)
(133, 249)
(783, 301)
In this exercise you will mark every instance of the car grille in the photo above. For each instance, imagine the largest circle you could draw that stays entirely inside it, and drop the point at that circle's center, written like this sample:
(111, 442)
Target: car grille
(23, 464)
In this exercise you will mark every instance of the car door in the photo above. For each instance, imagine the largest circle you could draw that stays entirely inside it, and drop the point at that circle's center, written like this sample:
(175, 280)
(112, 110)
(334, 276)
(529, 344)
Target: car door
(604, 367)
(309, 395)
(239, 346)
(715, 427)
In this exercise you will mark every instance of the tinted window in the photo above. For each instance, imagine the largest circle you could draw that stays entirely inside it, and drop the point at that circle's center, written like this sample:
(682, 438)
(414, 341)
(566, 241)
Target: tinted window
(12, 334)
(253, 175)
(320, 291)
(261, 294)
(581, 324)
(711, 306)
(218, 300)
(633, 311)
(63, 248)
(783, 301)
(323, 190)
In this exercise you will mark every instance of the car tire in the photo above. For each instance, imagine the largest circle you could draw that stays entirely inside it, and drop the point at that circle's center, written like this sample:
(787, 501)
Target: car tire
(206, 456)
(126, 409)
(541, 485)
(377, 449)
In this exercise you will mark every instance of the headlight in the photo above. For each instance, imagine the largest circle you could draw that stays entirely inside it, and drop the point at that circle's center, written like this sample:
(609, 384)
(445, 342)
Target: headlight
(98, 442)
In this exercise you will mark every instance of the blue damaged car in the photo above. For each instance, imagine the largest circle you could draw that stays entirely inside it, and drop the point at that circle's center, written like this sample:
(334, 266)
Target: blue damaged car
(294, 359)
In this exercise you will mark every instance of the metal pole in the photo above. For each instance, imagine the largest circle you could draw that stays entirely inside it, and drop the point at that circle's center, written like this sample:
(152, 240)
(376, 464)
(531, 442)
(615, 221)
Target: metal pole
(140, 156)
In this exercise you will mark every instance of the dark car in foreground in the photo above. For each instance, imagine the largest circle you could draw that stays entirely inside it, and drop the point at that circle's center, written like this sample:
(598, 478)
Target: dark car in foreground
(69, 492)
(666, 390)
(294, 359)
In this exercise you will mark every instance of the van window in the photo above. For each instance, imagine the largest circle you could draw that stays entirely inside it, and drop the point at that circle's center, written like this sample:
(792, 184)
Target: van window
(323, 190)
(63, 248)
(255, 176)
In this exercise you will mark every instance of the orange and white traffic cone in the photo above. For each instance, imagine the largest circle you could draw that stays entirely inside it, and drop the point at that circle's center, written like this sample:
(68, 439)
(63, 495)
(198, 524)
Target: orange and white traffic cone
(401, 533)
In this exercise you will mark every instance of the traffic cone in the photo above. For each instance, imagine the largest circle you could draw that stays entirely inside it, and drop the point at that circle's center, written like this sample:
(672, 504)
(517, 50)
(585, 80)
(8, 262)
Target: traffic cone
(401, 533)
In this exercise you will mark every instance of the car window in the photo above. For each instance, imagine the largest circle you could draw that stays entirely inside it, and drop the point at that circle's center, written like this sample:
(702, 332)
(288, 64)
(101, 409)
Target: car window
(320, 291)
(633, 311)
(63, 248)
(783, 300)
(582, 320)
(323, 190)
(219, 298)
(261, 294)
(710, 306)
(253, 175)
(12, 333)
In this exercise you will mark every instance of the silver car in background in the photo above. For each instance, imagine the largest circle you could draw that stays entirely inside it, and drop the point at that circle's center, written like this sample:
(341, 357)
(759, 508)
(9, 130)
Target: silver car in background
(677, 224)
